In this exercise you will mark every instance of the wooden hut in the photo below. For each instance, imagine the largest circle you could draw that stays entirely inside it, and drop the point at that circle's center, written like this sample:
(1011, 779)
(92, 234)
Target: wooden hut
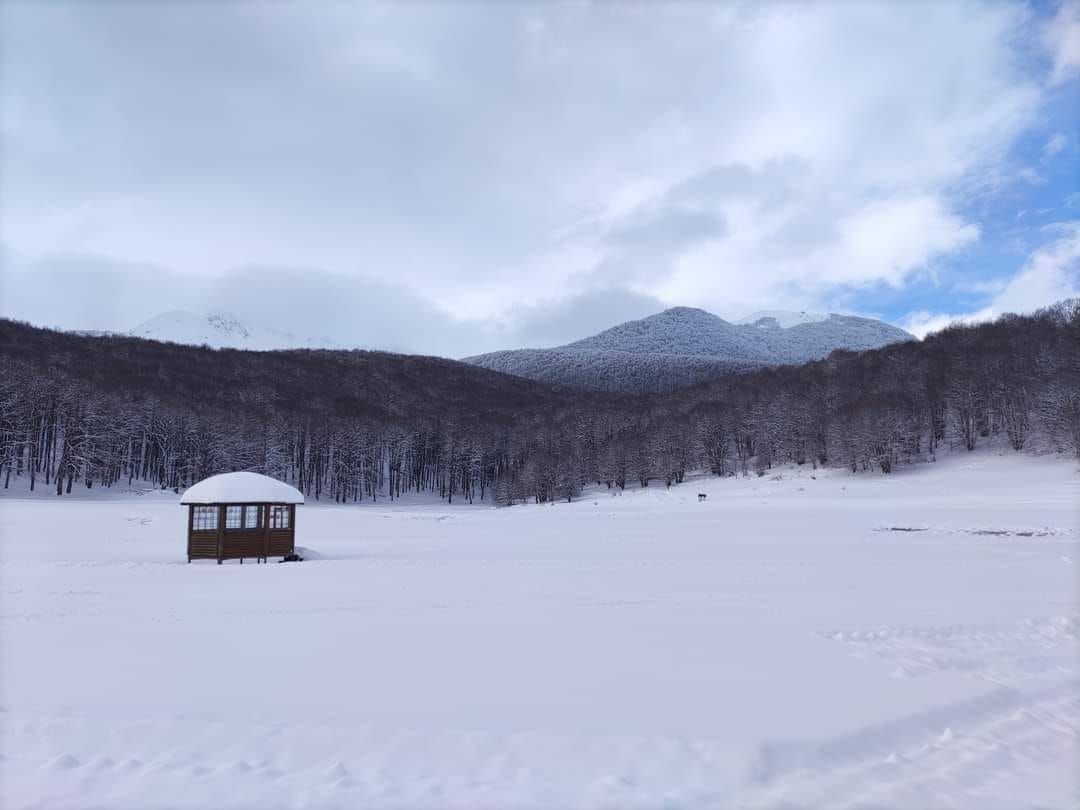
(241, 515)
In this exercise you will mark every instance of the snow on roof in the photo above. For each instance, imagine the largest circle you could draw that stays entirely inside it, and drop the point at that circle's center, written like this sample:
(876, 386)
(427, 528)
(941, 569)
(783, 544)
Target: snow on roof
(241, 487)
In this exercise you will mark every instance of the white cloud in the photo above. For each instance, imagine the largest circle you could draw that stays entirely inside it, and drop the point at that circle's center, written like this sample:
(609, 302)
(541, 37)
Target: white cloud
(1062, 38)
(489, 161)
(1050, 274)
(922, 322)
(1057, 142)
(982, 286)
(872, 162)
(797, 263)
(887, 241)
(345, 311)
(1030, 176)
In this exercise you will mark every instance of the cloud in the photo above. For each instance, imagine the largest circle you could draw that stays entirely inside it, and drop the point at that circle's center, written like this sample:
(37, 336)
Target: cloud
(670, 224)
(1062, 38)
(1030, 176)
(554, 323)
(81, 291)
(888, 240)
(988, 286)
(474, 167)
(1057, 142)
(1050, 274)
(923, 322)
(309, 303)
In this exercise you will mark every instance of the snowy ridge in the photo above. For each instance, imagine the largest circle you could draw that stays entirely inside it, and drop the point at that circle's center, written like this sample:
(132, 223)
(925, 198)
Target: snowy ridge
(219, 330)
(684, 345)
(779, 318)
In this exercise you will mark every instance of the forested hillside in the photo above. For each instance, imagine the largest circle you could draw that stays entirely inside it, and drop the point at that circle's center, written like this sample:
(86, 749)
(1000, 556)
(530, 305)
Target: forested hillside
(78, 411)
(684, 345)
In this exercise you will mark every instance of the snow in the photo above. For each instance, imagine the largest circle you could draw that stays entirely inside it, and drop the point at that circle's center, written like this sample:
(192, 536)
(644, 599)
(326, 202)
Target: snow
(800, 640)
(219, 330)
(783, 318)
(241, 487)
(684, 345)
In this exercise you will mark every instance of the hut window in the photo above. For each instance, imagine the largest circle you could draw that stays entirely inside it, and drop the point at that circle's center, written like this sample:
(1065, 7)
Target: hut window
(279, 517)
(204, 519)
(233, 515)
(252, 517)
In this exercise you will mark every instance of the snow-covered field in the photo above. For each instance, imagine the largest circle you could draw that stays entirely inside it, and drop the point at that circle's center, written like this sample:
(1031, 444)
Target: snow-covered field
(775, 646)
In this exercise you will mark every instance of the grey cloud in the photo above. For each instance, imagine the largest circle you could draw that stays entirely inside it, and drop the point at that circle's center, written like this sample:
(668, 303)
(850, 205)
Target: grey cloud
(645, 242)
(642, 244)
(280, 120)
(669, 225)
(427, 138)
(437, 154)
(347, 311)
(799, 231)
(584, 314)
(98, 293)
(90, 292)
(735, 181)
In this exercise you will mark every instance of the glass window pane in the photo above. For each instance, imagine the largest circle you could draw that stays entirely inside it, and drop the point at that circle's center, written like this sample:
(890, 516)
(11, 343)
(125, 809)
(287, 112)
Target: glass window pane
(279, 517)
(232, 517)
(205, 519)
(252, 517)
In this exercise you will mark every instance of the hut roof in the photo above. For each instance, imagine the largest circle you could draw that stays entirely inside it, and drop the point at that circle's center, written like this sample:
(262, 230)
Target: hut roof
(241, 487)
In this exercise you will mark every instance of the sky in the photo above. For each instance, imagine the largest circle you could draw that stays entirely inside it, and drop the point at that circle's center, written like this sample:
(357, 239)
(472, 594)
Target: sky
(458, 177)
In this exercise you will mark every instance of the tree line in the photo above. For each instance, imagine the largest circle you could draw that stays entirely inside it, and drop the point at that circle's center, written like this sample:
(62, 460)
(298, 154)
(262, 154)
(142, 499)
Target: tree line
(349, 426)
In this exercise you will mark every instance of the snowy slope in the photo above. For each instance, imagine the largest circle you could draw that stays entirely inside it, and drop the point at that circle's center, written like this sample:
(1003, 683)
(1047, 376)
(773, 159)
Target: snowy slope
(780, 318)
(780, 645)
(679, 331)
(684, 345)
(218, 330)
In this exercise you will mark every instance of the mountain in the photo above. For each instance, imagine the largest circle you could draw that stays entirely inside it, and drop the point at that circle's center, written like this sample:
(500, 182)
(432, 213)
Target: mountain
(669, 350)
(684, 345)
(779, 318)
(320, 384)
(219, 330)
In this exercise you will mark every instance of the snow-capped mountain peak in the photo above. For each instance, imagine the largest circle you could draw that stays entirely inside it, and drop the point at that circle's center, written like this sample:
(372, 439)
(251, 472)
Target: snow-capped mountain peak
(219, 330)
(781, 318)
(684, 345)
(227, 324)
